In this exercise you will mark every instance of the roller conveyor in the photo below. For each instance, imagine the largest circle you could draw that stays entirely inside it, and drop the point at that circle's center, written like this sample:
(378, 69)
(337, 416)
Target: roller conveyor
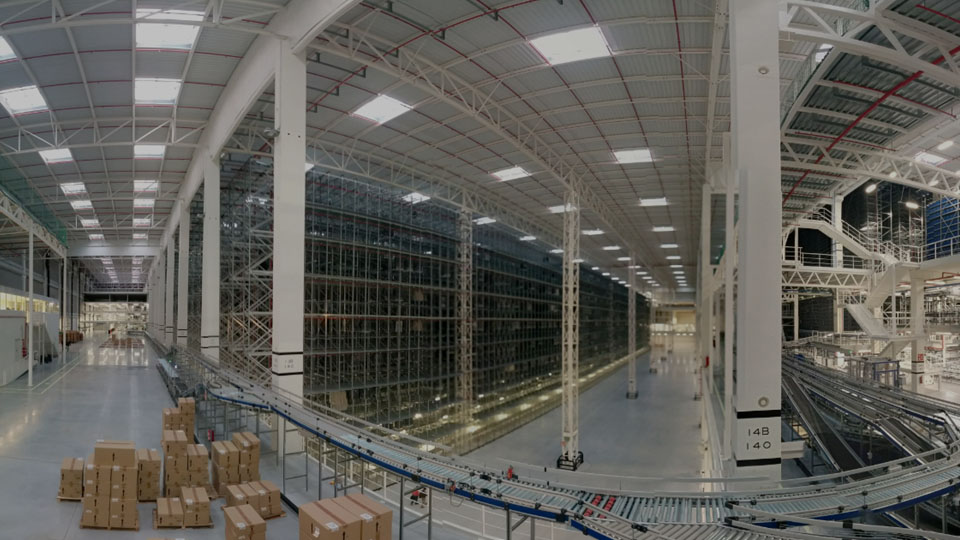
(832, 497)
(839, 452)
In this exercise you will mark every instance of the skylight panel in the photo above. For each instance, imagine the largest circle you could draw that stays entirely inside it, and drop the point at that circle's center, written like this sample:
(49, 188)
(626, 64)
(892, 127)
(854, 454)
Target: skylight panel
(561, 208)
(148, 151)
(414, 198)
(96, 236)
(382, 109)
(156, 91)
(142, 222)
(528, 238)
(623, 259)
(484, 220)
(572, 45)
(145, 186)
(56, 155)
(164, 35)
(669, 246)
(658, 201)
(592, 232)
(6, 52)
(81, 204)
(139, 236)
(822, 52)
(143, 203)
(511, 174)
(73, 188)
(930, 159)
(89, 223)
(556, 251)
(611, 248)
(635, 155)
(23, 100)
(673, 257)
(307, 167)
(664, 228)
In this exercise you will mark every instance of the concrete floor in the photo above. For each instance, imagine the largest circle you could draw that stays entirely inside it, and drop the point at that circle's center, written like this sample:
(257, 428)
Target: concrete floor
(656, 435)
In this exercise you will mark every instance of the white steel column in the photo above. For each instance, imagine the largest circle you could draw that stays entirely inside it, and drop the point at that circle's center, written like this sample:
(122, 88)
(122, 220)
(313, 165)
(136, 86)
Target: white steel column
(161, 277)
(30, 311)
(63, 310)
(729, 264)
(169, 322)
(704, 287)
(632, 328)
(796, 316)
(210, 280)
(465, 388)
(917, 315)
(837, 215)
(755, 96)
(570, 455)
(183, 273)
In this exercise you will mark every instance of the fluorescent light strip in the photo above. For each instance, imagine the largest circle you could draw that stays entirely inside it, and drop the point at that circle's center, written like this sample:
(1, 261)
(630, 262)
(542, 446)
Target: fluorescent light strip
(414, 198)
(664, 228)
(592, 232)
(484, 220)
(559, 209)
(528, 238)
(73, 188)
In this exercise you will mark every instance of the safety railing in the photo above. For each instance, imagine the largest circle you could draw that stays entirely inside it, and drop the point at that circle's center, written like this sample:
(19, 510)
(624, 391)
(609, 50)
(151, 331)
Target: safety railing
(821, 260)
(898, 252)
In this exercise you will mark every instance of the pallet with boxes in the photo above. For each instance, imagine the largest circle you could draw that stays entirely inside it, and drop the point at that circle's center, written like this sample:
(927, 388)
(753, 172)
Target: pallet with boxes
(263, 496)
(190, 510)
(244, 523)
(177, 454)
(110, 487)
(149, 474)
(182, 417)
(351, 517)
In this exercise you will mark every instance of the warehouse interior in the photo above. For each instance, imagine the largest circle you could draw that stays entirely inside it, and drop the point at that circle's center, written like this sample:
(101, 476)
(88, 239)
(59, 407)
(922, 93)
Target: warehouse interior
(487, 269)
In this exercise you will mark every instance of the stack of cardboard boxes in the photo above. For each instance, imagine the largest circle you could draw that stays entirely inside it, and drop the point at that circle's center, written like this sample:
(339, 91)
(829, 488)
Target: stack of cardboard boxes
(196, 507)
(169, 513)
(226, 465)
(110, 487)
(182, 417)
(249, 445)
(263, 496)
(175, 462)
(149, 471)
(352, 517)
(71, 479)
(244, 523)
(198, 466)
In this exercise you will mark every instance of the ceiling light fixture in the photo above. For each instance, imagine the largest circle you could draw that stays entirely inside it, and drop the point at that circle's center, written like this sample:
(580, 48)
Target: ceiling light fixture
(145, 186)
(559, 209)
(96, 236)
(143, 203)
(556, 250)
(381, 109)
(23, 100)
(572, 45)
(414, 198)
(512, 173)
(139, 236)
(142, 222)
(528, 238)
(611, 248)
(942, 146)
(930, 159)
(623, 259)
(89, 223)
(664, 228)
(669, 246)
(592, 232)
(911, 205)
(870, 188)
(673, 257)
(484, 220)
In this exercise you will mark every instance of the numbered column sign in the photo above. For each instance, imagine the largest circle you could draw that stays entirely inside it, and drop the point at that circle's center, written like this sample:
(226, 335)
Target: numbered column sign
(758, 440)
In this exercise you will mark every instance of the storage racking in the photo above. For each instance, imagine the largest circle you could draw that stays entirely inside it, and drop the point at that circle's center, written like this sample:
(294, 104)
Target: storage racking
(942, 228)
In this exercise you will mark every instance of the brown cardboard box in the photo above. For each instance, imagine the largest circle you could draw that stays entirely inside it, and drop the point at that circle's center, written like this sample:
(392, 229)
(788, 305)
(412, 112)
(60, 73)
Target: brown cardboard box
(225, 454)
(315, 524)
(196, 506)
(253, 497)
(198, 458)
(171, 418)
(92, 507)
(174, 442)
(104, 476)
(176, 462)
(123, 453)
(244, 522)
(198, 478)
(116, 512)
(71, 478)
(269, 497)
(224, 476)
(235, 496)
(149, 463)
(131, 514)
(245, 473)
(383, 516)
(351, 524)
(368, 524)
(187, 404)
(169, 512)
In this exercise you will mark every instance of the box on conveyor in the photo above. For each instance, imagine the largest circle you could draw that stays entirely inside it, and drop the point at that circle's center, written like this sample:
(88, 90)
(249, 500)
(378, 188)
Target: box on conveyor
(123, 453)
(149, 474)
(71, 478)
(196, 506)
(317, 524)
(169, 512)
(368, 523)
(174, 442)
(244, 523)
(382, 515)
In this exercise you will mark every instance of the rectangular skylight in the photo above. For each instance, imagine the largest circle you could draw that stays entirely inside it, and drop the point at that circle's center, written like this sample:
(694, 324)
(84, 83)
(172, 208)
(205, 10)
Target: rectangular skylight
(167, 36)
(592, 232)
(578, 261)
(414, 198)
(484, 221)
(382, 109)
(81, 204)
(96, 236)
(528, 238)
(635, 155)
(145, 186)
(611, 248)
(139, 236)
(659, 201)
(572, 45)
(930, 159)
(142, 222)
(822, 52)
(623, 259)
(664, 228)
(511, 174)
(6, 52)
(561, 208)
(676, 266)
(673, 257)
(307, 167)
(73, 188)
(555, 251)
(605, 274)
(26, 99)
(56, 155)
(89, 223)
(669, 246)
(143, 203)
(156, 91)
(148, 151)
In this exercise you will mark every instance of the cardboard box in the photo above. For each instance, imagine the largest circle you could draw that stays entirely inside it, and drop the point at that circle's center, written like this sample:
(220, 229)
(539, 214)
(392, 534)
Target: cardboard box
(368, 524)
(253, 497)
(196, 506)
(198, 478)
(174, 442)
(316, 524)
(225, 454)
(171, 418)
(269, 498)
(104, 480)
(187, 404)
(123, 453)
(71, 478)
(176, 462)
(169, 512)
(198, 458)
(383, 516)
(352, 525)
(244, 522)
(149, 463)
(235, 496)
(131, 514)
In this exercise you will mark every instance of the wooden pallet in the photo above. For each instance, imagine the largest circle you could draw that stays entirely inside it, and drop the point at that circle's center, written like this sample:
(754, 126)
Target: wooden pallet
(71, 499)
(156, 525)
(109, 528)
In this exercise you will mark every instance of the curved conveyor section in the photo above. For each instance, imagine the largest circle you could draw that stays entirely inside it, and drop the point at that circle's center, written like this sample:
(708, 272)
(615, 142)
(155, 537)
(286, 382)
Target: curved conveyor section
(830, 442)
(829, 497)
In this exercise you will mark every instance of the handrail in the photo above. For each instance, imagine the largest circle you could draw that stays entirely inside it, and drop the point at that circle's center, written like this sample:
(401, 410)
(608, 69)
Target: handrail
(898, 532)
